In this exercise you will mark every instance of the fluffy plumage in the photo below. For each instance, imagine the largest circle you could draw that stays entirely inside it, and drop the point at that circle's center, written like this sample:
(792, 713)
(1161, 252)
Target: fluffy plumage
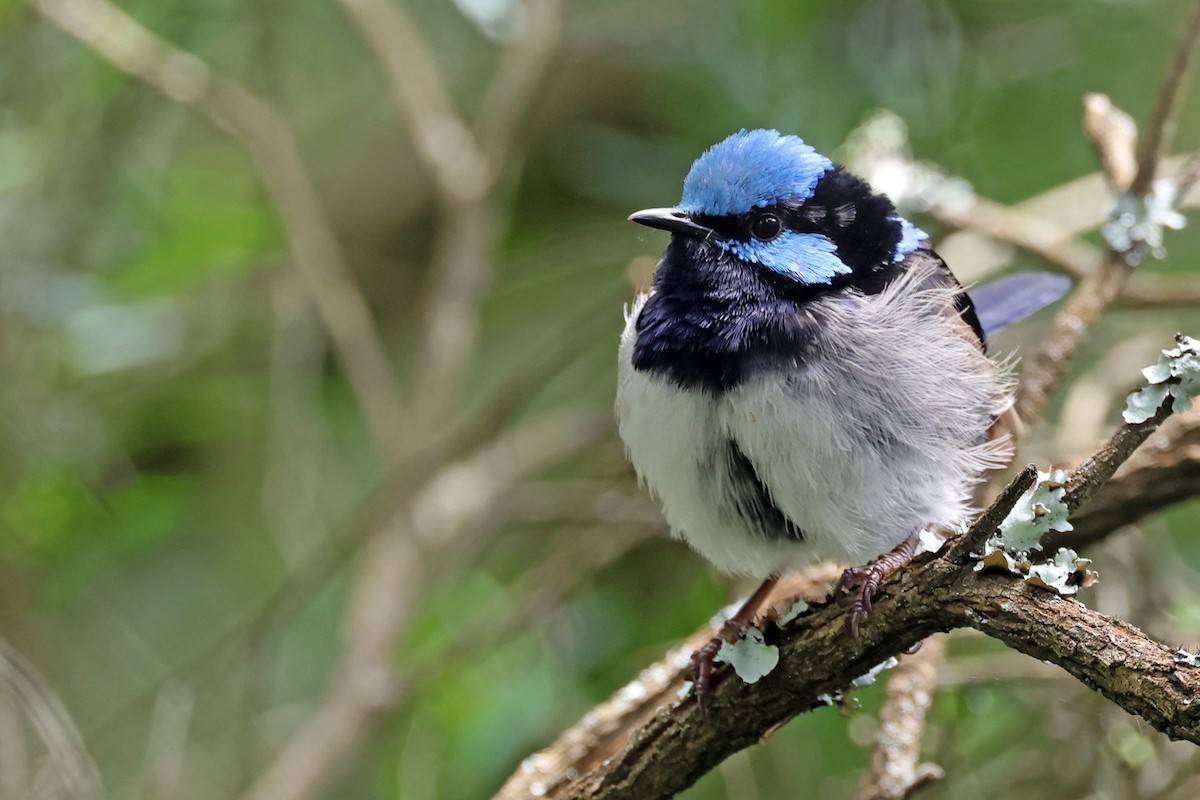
(842, 453)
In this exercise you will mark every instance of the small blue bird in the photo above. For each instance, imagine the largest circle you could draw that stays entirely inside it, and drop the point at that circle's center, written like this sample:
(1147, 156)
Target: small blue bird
(806, 378)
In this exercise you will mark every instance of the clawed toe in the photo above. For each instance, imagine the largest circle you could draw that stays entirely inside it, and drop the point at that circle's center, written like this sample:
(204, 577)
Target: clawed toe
(703, 663)
(866, 580)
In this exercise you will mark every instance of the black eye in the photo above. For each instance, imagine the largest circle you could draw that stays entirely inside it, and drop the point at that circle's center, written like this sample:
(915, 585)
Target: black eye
(766, 226)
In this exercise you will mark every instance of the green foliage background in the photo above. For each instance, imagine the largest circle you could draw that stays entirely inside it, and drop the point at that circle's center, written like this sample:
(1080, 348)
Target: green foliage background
(177, 439)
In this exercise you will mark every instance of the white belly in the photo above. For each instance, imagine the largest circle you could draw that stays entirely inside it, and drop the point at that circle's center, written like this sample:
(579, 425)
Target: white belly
(859, 448)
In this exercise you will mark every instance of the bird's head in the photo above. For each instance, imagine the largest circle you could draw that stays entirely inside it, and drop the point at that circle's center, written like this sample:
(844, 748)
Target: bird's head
(771, 201)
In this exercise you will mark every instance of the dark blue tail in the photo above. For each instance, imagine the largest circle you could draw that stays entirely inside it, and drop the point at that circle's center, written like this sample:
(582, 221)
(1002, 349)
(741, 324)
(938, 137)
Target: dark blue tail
(1014, 297)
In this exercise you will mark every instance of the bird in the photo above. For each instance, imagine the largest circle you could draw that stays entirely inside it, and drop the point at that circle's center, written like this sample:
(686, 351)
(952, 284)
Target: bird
(805, 378)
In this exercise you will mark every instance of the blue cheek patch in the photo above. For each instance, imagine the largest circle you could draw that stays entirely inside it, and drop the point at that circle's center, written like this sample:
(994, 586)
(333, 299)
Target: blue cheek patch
(911, 237)
(806, 257)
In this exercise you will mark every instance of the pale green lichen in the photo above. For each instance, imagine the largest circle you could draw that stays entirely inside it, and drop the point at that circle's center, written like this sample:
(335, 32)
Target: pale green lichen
(1177, 374)
(1137, 224)
(1040, 510)
(870, 676)
(750, 656)
(931, 540)
(798, 607)
(1065, 574)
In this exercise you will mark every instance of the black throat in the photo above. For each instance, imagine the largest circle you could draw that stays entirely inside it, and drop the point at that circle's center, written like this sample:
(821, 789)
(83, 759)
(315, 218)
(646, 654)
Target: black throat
(714, 321)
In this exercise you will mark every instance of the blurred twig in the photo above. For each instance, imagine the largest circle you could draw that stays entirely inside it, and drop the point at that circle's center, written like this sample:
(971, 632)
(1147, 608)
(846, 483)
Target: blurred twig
(442, 139)
(365, 684)
(894, 773)
(1160, 291)
(1114, 135)
(1101, 287)
(70, 771)
(291, 474)
(266, 133)
(467, 162)
(1012, 225)
(1160, 130)
(14, 745)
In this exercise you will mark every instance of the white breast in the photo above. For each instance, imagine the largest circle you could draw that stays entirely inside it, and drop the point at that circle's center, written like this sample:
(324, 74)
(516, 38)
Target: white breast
(860, 446)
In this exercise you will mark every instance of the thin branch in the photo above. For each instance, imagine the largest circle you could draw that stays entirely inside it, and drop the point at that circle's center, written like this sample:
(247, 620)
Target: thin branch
(1114, 135)
(517, 78)
(1160, 131)
(442, 139)
(1150, 291)
(327, 277)
(1066, 211)
(71, 769)
(1187, 176)
(1094, 294)
(1163, 472)
(1086, 479)
(467, 165)
(987, 522)
(1012, 225)
(14, 746)
(894, 773)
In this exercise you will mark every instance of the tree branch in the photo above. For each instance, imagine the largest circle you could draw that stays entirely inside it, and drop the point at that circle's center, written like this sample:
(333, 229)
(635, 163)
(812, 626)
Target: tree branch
(1165, 471)
(678, 744)
(654, 750)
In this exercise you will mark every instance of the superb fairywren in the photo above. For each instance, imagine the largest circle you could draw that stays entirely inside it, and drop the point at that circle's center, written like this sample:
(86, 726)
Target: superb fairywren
(806, 378)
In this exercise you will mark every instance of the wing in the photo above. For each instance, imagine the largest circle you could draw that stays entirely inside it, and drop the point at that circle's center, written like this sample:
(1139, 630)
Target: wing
(1012, 298)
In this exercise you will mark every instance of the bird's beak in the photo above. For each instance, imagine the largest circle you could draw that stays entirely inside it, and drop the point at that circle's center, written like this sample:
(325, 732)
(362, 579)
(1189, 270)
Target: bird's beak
(674, 220)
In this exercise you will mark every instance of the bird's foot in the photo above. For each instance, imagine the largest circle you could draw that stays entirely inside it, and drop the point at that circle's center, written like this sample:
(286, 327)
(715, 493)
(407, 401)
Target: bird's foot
(866, 580)
(734, 628)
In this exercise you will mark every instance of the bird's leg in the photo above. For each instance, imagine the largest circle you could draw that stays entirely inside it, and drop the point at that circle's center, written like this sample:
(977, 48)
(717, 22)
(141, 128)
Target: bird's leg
(868, 577)
(733, 629)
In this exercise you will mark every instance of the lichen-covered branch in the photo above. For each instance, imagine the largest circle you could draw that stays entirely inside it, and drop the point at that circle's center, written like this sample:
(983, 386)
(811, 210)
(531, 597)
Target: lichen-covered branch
(1164, 471)
(677, 745)
(670, 750)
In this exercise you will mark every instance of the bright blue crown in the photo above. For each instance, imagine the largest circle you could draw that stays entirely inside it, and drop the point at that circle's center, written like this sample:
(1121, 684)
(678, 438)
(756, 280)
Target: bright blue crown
(752, 169)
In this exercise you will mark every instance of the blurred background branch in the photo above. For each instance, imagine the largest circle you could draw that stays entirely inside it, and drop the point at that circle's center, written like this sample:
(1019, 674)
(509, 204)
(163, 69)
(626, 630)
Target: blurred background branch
(183, 77)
